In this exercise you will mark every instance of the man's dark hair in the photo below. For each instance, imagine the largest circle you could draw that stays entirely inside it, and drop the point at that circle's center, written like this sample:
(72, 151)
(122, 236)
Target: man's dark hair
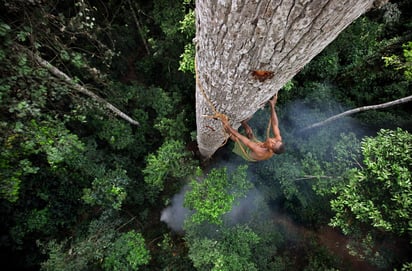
(280, 149)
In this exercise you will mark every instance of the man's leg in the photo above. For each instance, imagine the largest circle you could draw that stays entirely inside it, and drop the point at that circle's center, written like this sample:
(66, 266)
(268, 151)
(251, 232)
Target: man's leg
(248, 130)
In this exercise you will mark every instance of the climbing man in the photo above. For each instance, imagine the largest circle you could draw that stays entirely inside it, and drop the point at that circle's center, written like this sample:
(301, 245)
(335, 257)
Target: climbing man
(249, 147)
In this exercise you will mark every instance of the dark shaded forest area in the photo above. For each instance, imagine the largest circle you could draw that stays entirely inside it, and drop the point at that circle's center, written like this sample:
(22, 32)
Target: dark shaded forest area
(99, 168)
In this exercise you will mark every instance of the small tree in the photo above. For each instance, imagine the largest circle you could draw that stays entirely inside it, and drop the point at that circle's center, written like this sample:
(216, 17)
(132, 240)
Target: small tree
(102, 247)
(379, 194)
(170, 161)
(214, 196)
(128, 252)
(378, 197)
(232, 249)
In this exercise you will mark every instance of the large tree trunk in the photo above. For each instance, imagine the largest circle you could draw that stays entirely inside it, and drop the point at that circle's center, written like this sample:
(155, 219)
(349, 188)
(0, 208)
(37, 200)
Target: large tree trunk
(236, 37)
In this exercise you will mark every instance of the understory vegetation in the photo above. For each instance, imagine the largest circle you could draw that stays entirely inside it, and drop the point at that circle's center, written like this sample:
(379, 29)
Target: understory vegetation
(99, 168)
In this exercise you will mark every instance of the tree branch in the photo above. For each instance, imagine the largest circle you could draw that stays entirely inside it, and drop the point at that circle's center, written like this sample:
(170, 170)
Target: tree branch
(357, 110)
(139, 28)
(311, 177)
(61, 75)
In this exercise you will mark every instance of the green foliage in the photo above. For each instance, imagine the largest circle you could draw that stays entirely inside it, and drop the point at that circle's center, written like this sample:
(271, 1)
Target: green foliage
(64, 160)
(169, 117)
(407, 53)
(58, 143)
(326, 66)
(102, 248)
(168, 15)
(128, 252)
(4, 29)
(173, 129)
(37, 220)
(173, 254)
(118, 134)
(214, 195)
(379, 194)
(170, 162)
(288, 86)
(319, 258)
(187, 59)
(329, 175)
(232, 249)
(187, 26)
(404, 64)
(108, 190)
(352, 64)
(33, 138)
(405, 267)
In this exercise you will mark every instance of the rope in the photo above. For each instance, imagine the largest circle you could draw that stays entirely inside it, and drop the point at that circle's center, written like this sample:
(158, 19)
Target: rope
(216, 114)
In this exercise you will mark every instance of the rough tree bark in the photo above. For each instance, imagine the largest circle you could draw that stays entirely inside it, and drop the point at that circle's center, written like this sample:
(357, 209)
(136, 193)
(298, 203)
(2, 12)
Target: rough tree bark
(236, 37)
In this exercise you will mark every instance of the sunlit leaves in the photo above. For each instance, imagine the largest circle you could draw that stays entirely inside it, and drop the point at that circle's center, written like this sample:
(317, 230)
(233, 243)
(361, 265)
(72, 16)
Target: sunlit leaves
(187, 25)
(214, 195)
(108, 190)
(231, 249)
(57, 142)
(170, 161)
(402, 63)
(187, 59)
(380, 193)
(128, 252)
(101, 247)
(34, 138)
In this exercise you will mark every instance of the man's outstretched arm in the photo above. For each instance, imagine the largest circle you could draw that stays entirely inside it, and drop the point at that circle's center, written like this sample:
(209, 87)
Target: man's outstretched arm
(274, 118)
(235, 135)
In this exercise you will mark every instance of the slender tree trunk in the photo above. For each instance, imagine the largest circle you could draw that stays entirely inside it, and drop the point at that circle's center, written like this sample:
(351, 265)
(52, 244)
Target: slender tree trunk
(236, 37)
(357, 110)
(71, 82)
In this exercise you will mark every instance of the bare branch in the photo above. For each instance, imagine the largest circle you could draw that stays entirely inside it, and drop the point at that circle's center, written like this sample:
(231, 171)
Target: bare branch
(139, 28)
(62, 76)
(357, 110)
(311, 177)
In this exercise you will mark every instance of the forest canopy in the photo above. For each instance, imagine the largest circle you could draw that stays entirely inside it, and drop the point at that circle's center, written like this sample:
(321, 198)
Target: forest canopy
(98, 154)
